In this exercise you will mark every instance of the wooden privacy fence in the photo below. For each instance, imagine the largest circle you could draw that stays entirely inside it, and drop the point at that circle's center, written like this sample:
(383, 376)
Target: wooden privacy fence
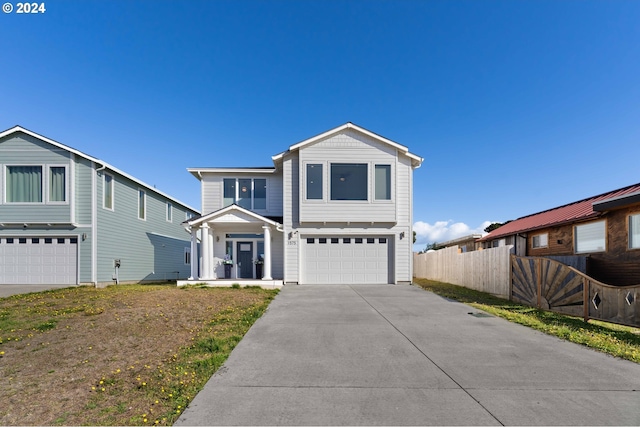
(488, 270)
(551, 285)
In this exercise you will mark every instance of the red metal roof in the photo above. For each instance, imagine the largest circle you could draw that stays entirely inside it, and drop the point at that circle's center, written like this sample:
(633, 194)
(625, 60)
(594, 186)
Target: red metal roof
(573, 212)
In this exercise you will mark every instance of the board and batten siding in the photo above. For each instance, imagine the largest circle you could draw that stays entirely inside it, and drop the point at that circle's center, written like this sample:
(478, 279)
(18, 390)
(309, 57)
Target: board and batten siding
(149, 249)
(213, 191)
(22, 149)
(347, 147)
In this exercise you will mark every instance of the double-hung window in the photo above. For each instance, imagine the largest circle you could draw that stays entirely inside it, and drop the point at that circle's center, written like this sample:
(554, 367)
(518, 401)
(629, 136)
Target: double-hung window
(590, 237)
(245, 192)
(634, 231)
(169, 212)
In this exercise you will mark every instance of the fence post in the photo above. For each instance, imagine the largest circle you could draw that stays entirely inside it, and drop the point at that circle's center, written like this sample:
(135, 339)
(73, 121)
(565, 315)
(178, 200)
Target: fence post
(585, 299)
(538, 263)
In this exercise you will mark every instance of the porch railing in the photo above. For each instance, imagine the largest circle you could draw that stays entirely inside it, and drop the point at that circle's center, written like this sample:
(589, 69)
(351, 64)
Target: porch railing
(551, 285)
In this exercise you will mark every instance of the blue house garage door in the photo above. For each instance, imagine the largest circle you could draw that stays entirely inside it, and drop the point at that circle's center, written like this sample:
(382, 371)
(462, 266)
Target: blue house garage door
(346, 260)
(38, 261)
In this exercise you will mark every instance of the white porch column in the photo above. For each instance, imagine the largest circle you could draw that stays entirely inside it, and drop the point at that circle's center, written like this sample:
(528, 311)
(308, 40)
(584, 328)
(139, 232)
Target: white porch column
(266, 273)
(206, 257)
(194, 253)
(212, 267)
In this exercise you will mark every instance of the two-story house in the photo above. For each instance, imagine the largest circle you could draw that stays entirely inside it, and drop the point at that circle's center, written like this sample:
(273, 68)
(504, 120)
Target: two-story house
(333, 209)
(69, 218)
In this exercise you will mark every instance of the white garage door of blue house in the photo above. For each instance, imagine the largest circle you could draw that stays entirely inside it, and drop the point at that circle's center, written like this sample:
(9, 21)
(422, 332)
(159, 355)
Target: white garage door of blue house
(38, 260)
(346, 260)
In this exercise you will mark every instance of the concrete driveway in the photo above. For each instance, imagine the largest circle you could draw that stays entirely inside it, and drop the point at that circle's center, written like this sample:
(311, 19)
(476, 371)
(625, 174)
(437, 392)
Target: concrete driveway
(398, 355)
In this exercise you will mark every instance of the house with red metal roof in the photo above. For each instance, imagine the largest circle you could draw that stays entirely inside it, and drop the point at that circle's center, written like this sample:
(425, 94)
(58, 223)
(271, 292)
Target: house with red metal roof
(603, 229)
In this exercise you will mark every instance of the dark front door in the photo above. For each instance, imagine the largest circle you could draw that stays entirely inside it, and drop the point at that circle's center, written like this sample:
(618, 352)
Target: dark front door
(245, 259)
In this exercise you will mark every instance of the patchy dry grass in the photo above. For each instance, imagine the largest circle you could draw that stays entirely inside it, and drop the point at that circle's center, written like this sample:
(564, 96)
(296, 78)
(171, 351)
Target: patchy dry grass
(123, 355)
(616, 340)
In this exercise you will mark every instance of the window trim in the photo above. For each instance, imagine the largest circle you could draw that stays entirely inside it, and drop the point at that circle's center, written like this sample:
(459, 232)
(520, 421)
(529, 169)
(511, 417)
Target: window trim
(113, 192)
(253, 192)
(367, 184)
(66, 184)
(533, 245)
(187, 256)
(142, 193)
(306, 198)
(575, 237)
(43, 185)
(629, 247)
(390, 199)
(169, 212)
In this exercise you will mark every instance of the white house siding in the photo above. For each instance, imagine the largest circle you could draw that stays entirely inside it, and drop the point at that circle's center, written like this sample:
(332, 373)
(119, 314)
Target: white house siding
(213, 191)
(347, 147)
(148, 250)
(291, 191)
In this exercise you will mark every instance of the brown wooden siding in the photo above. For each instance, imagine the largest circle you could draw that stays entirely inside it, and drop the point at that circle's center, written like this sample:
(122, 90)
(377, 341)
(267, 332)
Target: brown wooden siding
(619, 265)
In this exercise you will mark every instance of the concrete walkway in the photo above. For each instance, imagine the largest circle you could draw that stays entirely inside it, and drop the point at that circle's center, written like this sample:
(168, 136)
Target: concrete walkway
(398, 355)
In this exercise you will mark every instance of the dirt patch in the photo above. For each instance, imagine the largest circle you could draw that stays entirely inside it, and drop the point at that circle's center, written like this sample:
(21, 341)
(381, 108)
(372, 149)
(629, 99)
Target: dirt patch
(107, 356)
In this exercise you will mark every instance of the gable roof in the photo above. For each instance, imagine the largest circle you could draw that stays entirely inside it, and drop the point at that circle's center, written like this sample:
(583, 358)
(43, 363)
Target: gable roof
(581, 210)
(416, 161)
(231, 209)
(57, 144)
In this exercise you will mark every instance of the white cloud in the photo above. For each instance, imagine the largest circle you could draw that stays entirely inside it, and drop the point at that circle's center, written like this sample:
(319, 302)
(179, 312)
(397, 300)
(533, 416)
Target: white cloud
(443, 231)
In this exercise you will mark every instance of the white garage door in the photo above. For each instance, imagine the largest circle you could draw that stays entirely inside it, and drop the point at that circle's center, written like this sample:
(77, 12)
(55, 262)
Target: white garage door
(38, 260)
(345, 260)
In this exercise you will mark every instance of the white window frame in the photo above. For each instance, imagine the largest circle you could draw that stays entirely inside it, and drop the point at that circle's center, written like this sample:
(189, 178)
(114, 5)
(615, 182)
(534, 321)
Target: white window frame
(144, 198)
(324, 182)
(187, 256)
(188, 215)
(391, 186)
(575, 237)
(629, 231)
(253, 192)
(169, 212)
(113, 191)
(367, 184)
(66, 184)
(540, 245)
(43, 188)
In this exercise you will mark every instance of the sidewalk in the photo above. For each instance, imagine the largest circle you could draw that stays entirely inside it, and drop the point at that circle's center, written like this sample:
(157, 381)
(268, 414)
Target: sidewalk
(398, 355)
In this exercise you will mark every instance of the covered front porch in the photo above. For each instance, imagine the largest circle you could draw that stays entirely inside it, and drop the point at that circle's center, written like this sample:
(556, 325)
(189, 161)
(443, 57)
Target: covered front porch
(235, 246)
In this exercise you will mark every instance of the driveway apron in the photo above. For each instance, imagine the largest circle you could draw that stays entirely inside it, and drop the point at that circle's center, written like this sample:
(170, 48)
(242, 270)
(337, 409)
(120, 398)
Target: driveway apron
(398, 355)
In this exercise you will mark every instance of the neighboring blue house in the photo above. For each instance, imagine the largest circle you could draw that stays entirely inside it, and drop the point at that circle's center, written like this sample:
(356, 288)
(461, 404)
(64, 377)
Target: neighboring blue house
(69, 218)
(333, 209)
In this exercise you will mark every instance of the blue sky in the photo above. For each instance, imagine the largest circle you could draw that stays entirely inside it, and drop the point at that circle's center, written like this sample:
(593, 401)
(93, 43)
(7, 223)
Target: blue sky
(516, 106)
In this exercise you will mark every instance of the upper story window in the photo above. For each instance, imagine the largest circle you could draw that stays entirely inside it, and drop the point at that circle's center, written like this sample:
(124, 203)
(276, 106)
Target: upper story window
(169, 212)
(383, 182)
(245, 192)
(28, 184)
(314, 181)
(142, 204)
(634, 231)
(107, 192)
(540, 241)
(349, 181)
(24, 184)
(57, 184)
(590, 237)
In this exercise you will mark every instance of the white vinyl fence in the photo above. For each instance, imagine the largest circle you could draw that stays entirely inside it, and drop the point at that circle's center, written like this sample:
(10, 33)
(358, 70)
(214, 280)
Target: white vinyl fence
(488, 270)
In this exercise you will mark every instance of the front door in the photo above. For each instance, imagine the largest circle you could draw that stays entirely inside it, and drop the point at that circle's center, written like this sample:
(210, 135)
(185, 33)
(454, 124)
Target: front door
(245, 259)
